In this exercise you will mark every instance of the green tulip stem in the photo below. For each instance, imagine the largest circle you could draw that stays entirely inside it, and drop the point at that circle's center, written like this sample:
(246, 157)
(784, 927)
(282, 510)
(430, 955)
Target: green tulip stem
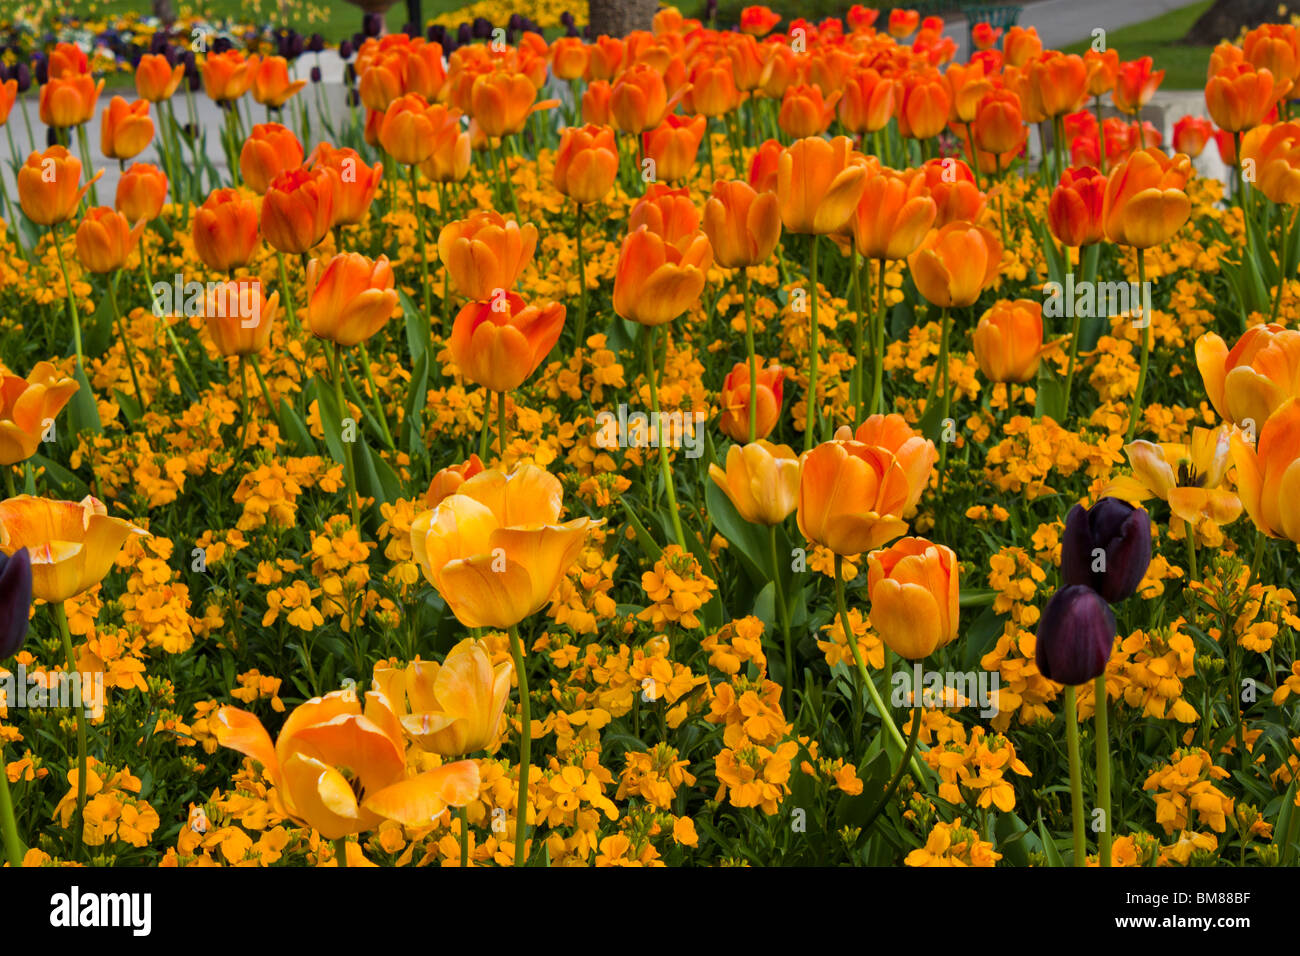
(753, 361)
(502, 433)
(856, 398)
(1102, 705)
(424, 256)
(1074, 338)
(580, 338)
(336, 372)
(61, 616)
(878, 356)
(72, 299)
(1146, 349)
(665, 470)
(874, 694)
(291, 308)
(945, 320)
(14, 849)
(810, 425)
(525, 748)
(1076, 781)
(913, 735)
(463, 814)
(126, 341)
(783, 612)
(341, 852)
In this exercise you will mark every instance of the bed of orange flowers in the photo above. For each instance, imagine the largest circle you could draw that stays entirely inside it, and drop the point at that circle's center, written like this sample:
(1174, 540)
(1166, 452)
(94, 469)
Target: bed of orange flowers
(783, 445)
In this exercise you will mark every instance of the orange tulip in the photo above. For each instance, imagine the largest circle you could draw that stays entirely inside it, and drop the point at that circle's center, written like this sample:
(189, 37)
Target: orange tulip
(762, 481)
(713, 89)
(604, 57)
(270, 150)
(1020, 45)
(72, 544)
(156, 79)
(915, 453)
(734, 401)
(141, 192)
(999, 125)
(355, 183)
(758, 21)
(105, 240)
(595, 104)
(1274, 47)
(340, 768)
(1187, 476)
(1275, 151)
(227, 76)
(8, 96)
(967, 85)
(955, 264)
(47, 186)
(499, 345)
(656, 281)
(1268, 476)
(486, 253)
(298, 209)
(1191, 133)
(868, 101)
(1247, 384)
(1062, 81)
(669, 213)
(450, 160)
(569, 58)
(448, 480)
(225, 230)
(743, 226)
(851, 497)
(496, 550)
(914, 590)
(673, 146)
(817, 186)
(638, 100)
(453, 708)
(952, 187)
(239, 318)
(411, 126)
(903, 23)
(1074, 213)
(425, 73)
(349, 297)
(1145, 203)
(69, 101)
(1103, 70)
(926, 102)
(501, 102)
(764, 164)
(27, 406)
(805, 112)
(1135, 84)
(67, 59)
(271, 85)
(586, 164)
(892, 217)
(1239, 97)
(381, 81)
(1008, 341)
(985, 36)
(125, 128)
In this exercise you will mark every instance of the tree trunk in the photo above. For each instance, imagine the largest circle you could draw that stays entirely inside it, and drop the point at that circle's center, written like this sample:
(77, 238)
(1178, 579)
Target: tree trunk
(618, 18)
(1224, 20)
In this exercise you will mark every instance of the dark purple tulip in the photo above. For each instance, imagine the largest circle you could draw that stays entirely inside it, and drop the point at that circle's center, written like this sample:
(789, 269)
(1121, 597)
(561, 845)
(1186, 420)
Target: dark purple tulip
(482, 28)
(372, 24)
(1106, 547)
(296, 45)
(41, 69)
(1075, 636)
(315, 74)
(566, 18)
(354, 98)
(345, 50)
(349, 74)
(316, 44)
(463, 35)
(436, 33)
(221, 44)
(23, 74)
(15, 600)
(412, 30)
(193, 80)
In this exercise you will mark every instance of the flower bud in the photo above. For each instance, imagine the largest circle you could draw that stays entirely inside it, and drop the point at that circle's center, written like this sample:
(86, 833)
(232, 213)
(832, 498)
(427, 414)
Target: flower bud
(15, 600)
(1106, 547)
(1075, 636)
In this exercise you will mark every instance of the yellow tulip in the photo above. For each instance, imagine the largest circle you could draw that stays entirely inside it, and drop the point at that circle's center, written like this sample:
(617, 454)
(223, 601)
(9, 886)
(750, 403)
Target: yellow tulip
(762, 481)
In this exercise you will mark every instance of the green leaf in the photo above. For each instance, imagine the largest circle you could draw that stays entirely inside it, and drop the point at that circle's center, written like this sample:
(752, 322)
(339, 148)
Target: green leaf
(83, 412)
(749, 542)
(417, 392)
(1049, 847)
(648, 544)
(296, 429)
(417, 332)
(1050, 401)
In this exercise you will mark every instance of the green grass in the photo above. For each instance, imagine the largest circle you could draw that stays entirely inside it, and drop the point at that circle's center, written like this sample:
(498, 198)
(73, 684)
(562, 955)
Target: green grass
(1184, 66)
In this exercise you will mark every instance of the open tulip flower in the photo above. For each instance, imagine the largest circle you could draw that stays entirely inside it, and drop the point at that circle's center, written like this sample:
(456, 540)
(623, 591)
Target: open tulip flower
(453, 708)
(852, 496)
(761, 479)
(1188, 477)
(914, 587)
(486, 254)
(340, 767)
(26, 406)
(1268, 475)
(1249, 382)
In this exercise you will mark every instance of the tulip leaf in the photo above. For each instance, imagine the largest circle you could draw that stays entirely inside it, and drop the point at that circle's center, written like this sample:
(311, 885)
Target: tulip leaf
(749, 542)
(375, 477)
(130, 407)
(417, 333)
(1284, 821)
(97, 331)
(1050, 398)
(330, 418)
(648, 544)
(1011, 832)
(417, 392)
(65, 482)
(83, 411)
(1049, 846)
(296, 429)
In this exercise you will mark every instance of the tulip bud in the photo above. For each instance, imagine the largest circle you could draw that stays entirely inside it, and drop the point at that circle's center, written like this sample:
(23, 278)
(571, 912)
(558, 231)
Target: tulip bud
(1106, 547)
(1075, 636)
(15, 600)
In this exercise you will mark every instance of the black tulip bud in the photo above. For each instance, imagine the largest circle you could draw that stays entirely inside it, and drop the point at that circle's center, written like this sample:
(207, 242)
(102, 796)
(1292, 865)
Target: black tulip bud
(296, 45)
(463, 35)
(372, 24)
(41, 70)
(1075, 636)
(315, 74)
(566, 18)
(345, 50)
(482, 28)
(412, 30)
(221, 45)
(15, 600)
(316, 44)
(1107, 547)
(23, 74)
(193, 80)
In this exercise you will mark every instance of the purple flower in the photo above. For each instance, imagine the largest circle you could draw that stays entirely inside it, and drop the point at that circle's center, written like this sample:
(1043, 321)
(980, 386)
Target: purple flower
(1107, 547)
(15, 600)
(1075, 636)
